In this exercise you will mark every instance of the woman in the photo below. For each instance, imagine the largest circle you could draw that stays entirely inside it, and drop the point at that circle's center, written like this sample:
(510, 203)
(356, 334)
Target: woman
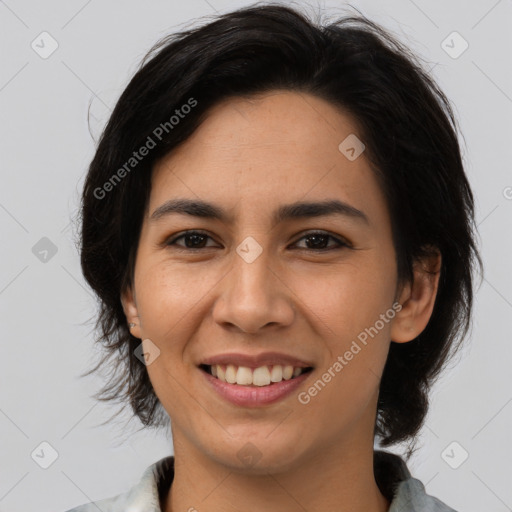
(279, 227)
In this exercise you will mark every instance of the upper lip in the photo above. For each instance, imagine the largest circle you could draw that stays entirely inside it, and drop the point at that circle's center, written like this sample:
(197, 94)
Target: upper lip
(255, 361)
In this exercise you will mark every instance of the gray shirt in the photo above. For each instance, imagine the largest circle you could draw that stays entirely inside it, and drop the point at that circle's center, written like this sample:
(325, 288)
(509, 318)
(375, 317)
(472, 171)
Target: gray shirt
(405, 493)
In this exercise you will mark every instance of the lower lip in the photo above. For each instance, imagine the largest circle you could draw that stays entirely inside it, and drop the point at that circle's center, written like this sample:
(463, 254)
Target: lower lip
(253, 396)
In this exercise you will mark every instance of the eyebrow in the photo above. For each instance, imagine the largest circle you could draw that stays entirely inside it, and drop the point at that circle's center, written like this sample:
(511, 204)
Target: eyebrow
(298, 210)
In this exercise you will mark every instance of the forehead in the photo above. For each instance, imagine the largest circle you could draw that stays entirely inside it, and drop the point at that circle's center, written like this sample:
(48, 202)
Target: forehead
(271, 148)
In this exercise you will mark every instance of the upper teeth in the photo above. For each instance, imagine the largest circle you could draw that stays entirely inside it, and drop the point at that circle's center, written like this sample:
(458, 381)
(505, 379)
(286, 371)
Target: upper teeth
(261, 376)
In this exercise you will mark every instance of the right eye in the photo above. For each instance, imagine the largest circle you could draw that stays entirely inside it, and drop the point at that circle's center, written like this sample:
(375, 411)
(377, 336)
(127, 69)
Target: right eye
(194, 240)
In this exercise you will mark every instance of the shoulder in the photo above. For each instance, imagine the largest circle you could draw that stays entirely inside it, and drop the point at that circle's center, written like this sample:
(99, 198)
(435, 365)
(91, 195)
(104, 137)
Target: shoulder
(143, 496)
(411, 495)
(405, 493)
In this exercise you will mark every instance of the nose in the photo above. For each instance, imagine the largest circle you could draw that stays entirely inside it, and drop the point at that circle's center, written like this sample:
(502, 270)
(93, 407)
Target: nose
(253, 296)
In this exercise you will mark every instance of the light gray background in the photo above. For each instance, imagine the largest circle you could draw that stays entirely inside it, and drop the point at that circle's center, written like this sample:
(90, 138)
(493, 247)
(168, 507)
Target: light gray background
(45, 150)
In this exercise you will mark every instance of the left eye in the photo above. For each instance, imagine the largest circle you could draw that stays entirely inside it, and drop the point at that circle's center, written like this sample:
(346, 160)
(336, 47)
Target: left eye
(196, 239)
(320, 238)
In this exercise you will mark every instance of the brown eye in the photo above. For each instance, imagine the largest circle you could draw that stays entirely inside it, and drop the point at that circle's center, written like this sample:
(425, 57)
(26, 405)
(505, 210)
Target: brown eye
(193, 240)
(315, 241)
(318, 241)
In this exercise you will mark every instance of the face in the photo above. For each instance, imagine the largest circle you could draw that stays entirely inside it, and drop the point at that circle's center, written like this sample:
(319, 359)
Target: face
(315, 289)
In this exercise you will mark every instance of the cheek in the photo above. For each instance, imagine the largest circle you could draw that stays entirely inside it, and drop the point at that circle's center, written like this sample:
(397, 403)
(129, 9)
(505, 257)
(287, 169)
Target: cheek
(353, 315)
(357, 339)
(347, 300)
(168, 299)
(166, 294)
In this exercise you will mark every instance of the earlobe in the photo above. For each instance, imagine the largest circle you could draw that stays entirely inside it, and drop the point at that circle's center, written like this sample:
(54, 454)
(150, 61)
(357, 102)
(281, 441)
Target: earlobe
(131, 312)
(417, 298)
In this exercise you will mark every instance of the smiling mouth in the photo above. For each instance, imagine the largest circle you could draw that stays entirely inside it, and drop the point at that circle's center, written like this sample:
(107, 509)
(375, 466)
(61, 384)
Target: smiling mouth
(258, 377)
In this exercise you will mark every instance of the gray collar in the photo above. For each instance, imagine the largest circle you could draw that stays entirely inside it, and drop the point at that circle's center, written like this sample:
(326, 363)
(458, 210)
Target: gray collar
(405, 493)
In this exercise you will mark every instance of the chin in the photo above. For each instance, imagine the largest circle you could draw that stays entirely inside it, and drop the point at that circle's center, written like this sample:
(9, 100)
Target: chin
(258, 453)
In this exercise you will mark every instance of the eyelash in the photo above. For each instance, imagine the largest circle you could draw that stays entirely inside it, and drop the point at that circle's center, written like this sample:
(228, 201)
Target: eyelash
(341, 243)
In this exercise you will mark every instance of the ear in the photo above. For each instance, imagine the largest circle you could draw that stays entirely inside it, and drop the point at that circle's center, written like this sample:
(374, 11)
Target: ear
(417, 298)
(129, 302)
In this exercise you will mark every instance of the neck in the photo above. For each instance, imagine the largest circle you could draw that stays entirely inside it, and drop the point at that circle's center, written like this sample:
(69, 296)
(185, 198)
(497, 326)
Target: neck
(340, 480)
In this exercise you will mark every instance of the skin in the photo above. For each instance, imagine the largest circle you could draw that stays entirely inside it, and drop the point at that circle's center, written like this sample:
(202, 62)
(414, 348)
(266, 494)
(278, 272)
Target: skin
(249, 157)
